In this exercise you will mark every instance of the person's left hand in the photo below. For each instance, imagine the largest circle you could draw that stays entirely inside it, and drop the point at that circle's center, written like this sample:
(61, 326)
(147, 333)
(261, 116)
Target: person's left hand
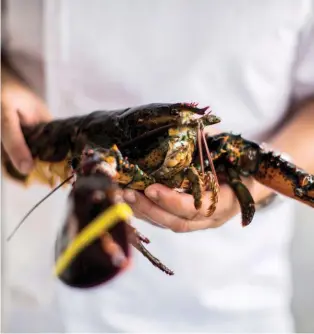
(169, 209)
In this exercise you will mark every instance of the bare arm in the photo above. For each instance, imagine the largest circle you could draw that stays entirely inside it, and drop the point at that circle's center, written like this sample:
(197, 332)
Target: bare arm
(297, 137)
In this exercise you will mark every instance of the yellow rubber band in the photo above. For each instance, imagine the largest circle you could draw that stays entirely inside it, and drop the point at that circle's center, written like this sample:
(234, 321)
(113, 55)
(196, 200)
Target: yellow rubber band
(92, 231)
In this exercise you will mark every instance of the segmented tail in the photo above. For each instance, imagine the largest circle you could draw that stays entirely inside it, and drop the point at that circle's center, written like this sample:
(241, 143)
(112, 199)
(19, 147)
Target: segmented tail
(51, 145)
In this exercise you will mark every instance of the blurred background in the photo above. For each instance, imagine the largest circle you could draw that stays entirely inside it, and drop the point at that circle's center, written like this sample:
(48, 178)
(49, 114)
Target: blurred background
(303, 270)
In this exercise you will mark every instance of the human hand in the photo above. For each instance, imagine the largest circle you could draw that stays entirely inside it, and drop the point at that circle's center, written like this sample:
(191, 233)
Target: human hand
(20, 106)
(169, 209)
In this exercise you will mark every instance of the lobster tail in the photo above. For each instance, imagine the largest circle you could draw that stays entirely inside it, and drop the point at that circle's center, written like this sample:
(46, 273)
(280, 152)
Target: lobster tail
(51, 145)
(52, 141)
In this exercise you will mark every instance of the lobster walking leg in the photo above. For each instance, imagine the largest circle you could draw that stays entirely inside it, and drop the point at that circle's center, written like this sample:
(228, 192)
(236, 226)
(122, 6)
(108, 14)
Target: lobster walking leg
(133, 177)
(197, 186)
(136, 242)
(243, 195)
(213, 186)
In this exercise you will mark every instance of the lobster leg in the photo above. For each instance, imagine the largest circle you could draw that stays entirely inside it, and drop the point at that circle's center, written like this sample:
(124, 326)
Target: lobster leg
(213, 186)
(131, 176)
(135, 240)
(197, 189)
(128, 175)
(243, 195)
(197, 186)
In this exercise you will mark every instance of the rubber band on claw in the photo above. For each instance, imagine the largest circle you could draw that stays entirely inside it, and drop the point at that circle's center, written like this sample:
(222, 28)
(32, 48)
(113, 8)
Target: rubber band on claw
(94, 230)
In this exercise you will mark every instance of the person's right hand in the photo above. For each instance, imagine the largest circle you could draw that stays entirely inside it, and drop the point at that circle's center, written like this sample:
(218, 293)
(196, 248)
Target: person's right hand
(19, 106)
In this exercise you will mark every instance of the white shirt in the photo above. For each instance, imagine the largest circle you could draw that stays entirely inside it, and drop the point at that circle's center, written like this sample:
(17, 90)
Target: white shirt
(244, 58)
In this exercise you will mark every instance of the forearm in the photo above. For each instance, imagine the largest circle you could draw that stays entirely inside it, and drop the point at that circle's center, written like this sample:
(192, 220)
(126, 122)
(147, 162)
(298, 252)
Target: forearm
(8, 73)
(297, 138)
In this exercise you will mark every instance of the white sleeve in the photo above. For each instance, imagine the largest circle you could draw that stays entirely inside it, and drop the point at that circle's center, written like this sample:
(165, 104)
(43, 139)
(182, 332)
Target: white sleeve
(303, 71)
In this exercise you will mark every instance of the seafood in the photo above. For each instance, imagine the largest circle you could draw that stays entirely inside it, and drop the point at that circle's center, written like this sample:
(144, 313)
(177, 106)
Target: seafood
(234, 156)
(159, 141)
(164, 143)
(93, 244)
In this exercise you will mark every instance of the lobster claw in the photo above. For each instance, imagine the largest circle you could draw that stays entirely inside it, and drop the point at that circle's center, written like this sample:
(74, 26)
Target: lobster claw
(93, 244)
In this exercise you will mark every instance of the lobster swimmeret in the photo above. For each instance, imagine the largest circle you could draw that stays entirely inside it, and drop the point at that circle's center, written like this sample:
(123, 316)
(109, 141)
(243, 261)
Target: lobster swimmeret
(162, 143)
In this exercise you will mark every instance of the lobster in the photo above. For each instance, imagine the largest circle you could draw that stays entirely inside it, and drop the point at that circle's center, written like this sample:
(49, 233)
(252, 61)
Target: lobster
(160, 143)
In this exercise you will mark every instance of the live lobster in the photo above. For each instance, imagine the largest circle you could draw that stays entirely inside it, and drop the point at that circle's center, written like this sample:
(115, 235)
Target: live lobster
(163, 143)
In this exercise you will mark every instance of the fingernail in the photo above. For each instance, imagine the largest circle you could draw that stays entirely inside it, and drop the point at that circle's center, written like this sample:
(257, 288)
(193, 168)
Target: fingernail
(129, 196)
(152, 194)
(25, 166)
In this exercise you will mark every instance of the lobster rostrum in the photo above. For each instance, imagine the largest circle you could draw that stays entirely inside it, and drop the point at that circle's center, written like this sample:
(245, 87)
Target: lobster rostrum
(164, 143)
(93, 244)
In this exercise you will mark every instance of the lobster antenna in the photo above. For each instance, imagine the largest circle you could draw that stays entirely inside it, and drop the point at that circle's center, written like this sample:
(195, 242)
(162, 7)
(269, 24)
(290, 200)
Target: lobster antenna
(37, 205)
(200, 149)
(210, 160)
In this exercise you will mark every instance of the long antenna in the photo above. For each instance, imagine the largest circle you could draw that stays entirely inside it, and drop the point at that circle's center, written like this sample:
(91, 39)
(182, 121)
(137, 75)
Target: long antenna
(37, 205)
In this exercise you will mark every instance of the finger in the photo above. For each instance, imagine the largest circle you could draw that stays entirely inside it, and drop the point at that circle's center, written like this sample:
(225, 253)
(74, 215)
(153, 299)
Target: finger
(156, 214)
(140, 215)
(178, 204)
(132, 197)
(38, 114)
(14, 142)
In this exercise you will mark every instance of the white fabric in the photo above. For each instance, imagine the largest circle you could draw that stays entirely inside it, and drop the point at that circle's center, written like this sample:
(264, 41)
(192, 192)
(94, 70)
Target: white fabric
(244, 58)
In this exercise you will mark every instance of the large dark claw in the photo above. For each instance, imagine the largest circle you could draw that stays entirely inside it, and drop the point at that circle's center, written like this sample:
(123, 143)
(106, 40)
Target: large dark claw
(271, 170)
(107, 255)
(93, 246)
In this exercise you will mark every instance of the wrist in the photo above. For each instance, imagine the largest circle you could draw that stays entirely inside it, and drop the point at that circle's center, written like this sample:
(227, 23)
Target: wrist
(9, 79)
(260, 193)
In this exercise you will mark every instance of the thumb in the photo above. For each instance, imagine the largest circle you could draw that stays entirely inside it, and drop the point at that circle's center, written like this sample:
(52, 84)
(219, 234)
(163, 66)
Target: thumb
(14, 142)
